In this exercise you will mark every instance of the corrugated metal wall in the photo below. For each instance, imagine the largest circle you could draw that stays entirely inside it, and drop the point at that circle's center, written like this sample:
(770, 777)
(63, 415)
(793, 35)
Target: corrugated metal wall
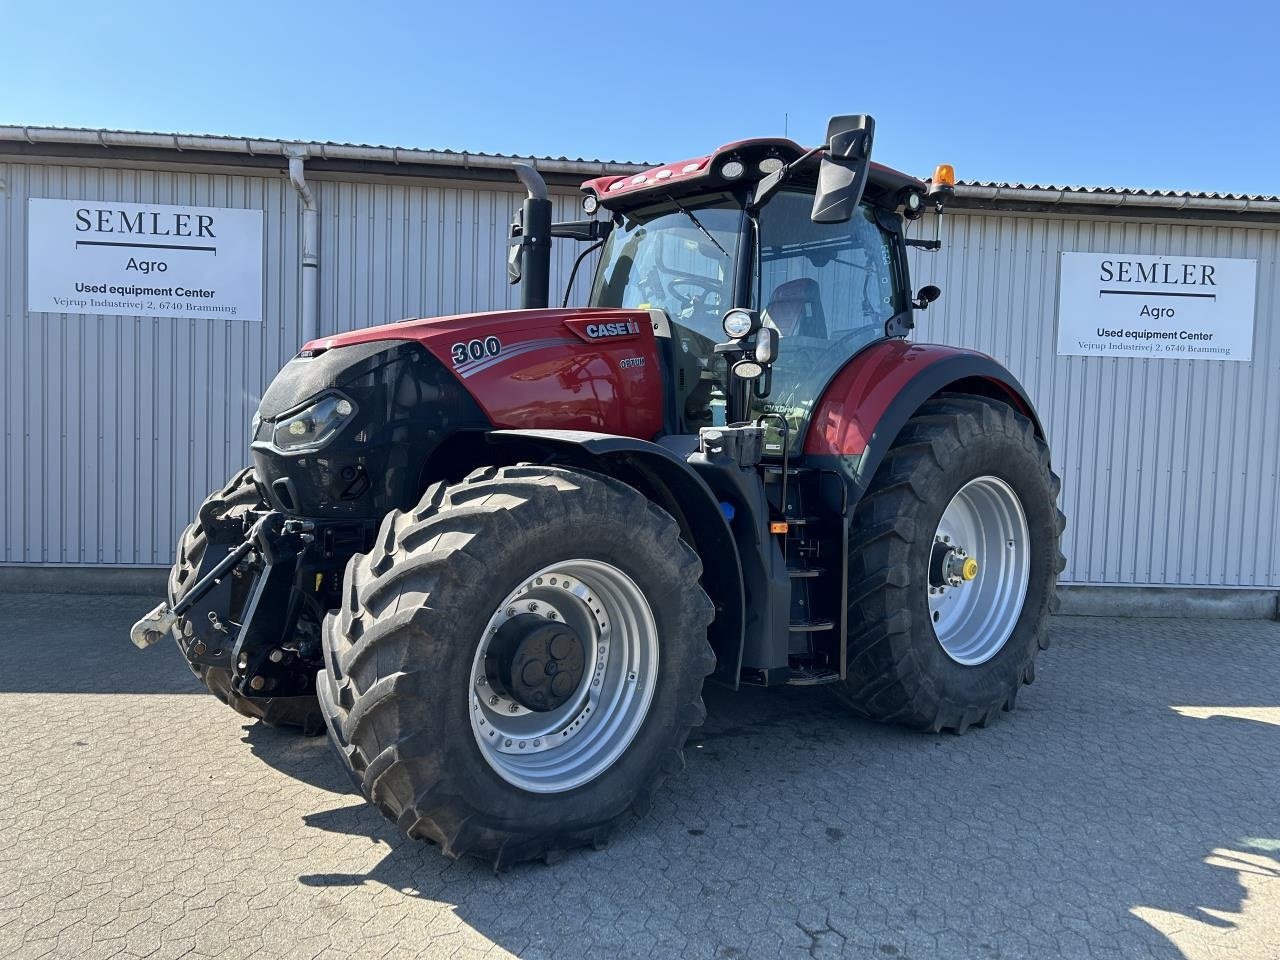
(393, 249)
(1169, 467)
(115, 428)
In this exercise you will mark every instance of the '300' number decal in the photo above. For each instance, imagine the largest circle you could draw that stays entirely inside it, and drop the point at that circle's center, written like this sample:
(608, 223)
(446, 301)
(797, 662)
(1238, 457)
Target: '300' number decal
(475, 350)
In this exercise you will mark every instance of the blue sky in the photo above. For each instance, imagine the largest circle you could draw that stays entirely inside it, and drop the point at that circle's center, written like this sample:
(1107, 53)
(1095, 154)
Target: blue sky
(1170, 95)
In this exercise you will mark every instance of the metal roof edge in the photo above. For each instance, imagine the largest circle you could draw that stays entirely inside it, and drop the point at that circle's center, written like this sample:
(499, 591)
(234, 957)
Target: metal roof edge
(975, 191)
(1115, 197)
(180, 142)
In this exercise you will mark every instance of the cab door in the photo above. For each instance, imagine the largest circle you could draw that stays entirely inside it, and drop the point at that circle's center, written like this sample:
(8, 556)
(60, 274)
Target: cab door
(830, 289)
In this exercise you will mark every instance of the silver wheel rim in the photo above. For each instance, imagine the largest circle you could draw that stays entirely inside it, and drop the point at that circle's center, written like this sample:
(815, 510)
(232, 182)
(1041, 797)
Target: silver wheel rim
(974, 618)
(556, 750)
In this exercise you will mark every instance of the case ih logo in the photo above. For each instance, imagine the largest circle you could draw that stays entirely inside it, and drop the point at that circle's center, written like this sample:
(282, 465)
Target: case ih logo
(624, 328)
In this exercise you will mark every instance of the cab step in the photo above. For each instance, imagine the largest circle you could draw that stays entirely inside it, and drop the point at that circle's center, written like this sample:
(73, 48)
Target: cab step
(811, 626)
(776, 470)
(812, 676)
(805, 573)
(802, 521)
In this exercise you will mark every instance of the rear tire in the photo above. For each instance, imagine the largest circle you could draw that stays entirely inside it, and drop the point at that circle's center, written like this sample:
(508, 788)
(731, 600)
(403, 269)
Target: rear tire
(909, 662)
(402, 697)
(237, 498)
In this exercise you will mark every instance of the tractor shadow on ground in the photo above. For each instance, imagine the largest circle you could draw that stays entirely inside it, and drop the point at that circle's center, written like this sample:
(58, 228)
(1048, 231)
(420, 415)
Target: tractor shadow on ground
(311, 760)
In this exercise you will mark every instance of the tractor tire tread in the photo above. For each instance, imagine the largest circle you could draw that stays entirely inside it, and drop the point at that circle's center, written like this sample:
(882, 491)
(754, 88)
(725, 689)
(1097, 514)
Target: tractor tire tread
(885, 681)
(426, 551)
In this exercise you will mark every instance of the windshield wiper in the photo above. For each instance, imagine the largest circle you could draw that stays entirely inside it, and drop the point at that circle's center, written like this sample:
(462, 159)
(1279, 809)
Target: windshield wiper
(698, 223)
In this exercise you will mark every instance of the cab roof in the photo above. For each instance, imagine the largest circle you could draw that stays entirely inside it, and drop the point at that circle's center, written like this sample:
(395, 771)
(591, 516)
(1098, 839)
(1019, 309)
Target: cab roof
(704, 174)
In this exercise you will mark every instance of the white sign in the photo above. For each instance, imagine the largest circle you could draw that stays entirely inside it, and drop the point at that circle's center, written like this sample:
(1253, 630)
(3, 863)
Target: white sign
(143, 259)
(1144, 305)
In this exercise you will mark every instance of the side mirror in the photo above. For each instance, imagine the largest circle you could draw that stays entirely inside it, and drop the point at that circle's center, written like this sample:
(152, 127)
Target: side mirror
(513, 264)
(842, 175)
(926, 296)
(513, 255)
(766, 345)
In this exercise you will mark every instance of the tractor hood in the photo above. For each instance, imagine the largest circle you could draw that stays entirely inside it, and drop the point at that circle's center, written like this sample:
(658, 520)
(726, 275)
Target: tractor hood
(464, 327)
(568, 369)
(369, 407)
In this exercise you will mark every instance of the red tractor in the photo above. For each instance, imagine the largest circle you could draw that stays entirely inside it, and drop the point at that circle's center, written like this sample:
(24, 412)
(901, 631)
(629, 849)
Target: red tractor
(497, 555)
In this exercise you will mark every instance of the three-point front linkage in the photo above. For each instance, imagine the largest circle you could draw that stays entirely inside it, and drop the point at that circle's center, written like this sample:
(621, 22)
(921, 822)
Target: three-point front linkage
(244, 627)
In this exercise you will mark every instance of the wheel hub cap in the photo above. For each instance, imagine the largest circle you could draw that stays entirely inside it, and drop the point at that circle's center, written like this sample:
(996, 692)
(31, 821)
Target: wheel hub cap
(536, 662)
(563, 675)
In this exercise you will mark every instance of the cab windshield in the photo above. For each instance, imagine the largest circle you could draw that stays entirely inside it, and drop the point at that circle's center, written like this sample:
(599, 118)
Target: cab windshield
(661, 259)
(828, 289)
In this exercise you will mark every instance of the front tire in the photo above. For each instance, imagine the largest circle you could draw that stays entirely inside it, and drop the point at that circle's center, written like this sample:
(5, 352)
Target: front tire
(953, 563)
(434, 738)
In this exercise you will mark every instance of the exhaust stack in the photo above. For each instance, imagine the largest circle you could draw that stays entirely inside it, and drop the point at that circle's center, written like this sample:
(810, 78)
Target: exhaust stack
(530, 261)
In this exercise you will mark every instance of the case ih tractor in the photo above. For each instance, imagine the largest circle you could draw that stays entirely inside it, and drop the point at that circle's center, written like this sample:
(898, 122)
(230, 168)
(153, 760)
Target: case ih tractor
(497, 555)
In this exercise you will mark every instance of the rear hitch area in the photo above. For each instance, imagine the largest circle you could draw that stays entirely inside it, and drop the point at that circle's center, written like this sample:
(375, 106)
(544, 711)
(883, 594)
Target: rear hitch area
(245, 613)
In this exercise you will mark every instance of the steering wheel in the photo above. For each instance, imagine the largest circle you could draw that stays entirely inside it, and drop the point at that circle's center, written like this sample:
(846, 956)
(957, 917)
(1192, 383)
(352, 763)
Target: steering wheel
(703, 285)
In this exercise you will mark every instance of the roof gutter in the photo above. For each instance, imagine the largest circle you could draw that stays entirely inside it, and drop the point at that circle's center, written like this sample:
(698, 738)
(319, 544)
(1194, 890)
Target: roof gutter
(314, 151)
(1050, 195)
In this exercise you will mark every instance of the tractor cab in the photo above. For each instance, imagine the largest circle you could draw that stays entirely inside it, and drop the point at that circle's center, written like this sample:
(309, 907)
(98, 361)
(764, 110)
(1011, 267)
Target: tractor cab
(773, 264)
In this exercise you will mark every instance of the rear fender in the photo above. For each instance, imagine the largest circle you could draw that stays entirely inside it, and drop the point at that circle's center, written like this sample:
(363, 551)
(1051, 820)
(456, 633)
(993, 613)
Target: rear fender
(870, 400)
(672, 484)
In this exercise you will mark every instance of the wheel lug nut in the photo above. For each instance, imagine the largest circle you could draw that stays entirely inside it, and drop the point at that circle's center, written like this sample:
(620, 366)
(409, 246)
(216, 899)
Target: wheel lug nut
(533, 607)
(493, 701)
(513, 708)
(511, 611)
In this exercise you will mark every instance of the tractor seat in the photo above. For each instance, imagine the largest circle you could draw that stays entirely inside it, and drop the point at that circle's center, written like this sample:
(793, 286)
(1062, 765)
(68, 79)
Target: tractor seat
(796, 309)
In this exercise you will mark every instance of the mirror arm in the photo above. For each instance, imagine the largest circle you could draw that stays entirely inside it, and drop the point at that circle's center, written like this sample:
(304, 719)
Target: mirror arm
(770, 185)
(582, 229)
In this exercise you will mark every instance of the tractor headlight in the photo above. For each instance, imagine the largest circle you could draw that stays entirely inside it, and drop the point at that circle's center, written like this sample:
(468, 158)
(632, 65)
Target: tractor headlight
(314, 425)
(739, 323)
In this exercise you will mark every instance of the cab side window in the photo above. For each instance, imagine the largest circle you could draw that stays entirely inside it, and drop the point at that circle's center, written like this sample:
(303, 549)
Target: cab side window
(824, 281)
(829, 289)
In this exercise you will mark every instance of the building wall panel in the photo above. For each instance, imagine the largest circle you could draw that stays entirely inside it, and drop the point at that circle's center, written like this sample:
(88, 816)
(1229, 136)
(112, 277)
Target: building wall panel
(117, 427)
(1169, 467)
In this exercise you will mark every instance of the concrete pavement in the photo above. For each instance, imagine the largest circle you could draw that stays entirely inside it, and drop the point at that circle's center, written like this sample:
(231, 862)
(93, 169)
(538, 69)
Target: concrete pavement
(1128, 808)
